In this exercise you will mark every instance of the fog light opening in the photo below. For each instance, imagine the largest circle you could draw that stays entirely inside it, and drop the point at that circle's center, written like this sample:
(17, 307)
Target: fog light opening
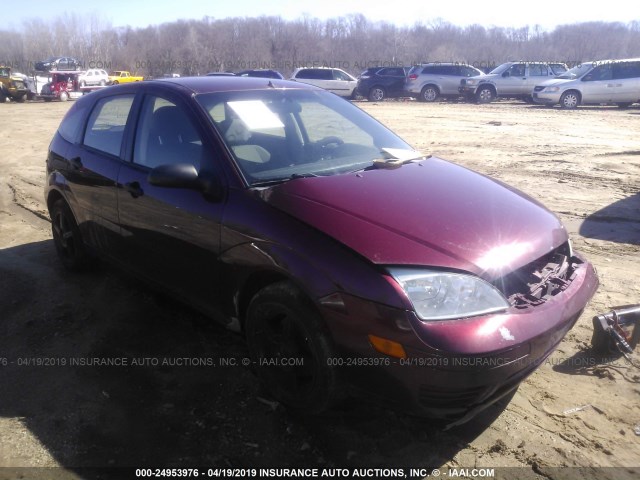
(387, 347)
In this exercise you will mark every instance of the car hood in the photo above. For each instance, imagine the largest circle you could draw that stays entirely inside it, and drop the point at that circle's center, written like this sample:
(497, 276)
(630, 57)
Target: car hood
(555, 82)
(432, 213)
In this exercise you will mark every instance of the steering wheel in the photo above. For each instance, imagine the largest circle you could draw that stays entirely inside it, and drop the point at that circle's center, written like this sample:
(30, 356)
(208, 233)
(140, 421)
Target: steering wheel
(331, 140)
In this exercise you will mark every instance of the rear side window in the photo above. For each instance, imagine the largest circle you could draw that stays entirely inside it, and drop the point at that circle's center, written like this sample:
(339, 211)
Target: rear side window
(315, 74)
(105, 128)
(537, 70)
(71, 126)
(626, 70)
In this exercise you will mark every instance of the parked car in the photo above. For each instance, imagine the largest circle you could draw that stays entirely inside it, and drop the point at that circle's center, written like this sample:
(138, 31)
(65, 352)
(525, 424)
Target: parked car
(609, 81)
(94, 77)
(58, 63)
(334, 80)
(378, 83)
(429, 82)
(261, 73)
(510, 80)
(348, 260)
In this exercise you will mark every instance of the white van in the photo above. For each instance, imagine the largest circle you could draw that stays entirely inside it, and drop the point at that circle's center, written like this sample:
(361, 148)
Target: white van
(333, 79)
(599, 82)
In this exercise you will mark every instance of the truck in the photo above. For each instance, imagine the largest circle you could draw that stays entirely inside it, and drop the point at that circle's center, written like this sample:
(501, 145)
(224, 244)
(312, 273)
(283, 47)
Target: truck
(122, 76)
(11, 86)
(62, 86)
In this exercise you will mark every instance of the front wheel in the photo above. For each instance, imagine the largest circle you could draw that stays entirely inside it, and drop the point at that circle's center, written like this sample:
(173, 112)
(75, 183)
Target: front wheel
(485, 95)
(377, 94)
(291, 348)
(569, 100)
(67, 238)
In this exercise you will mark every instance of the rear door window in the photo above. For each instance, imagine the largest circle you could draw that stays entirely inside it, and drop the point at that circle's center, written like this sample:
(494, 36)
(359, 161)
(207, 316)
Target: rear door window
(623, 70)
(106, 125)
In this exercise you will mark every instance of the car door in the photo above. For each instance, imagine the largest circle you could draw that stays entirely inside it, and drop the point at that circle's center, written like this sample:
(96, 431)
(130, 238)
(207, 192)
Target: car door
(536, 74)
(626, 77)
(394, 79)
(342, 84)
(513, 81)
(171, 235)
(92, 172)
(598, 85)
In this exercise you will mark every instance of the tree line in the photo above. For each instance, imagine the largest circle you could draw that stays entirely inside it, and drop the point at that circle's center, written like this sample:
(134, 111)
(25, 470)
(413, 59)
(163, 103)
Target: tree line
(196, 47)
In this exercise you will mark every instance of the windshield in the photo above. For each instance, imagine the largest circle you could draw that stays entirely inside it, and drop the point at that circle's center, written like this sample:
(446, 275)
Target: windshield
(577, 71)
(280, 134)
(500, 68)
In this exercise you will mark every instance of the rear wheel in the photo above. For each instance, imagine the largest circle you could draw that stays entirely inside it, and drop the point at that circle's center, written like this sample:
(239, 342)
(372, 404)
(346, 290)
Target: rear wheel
(291, 348)
(64, 96)
(570, 100)
(430, 93)
(377, 94)
(485, 95)
(67, 238)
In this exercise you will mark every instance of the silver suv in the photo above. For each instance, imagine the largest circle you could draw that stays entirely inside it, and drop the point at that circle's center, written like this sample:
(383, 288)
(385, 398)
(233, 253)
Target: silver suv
(510, 80)
(608, 81)
(430, 81)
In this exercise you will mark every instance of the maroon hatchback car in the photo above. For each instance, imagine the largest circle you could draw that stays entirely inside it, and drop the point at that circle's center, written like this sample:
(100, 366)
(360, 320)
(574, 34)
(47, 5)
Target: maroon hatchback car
(351, 262)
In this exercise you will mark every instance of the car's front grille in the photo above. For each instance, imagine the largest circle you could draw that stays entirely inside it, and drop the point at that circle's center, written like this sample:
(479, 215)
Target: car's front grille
(538, 89)
(541, 279)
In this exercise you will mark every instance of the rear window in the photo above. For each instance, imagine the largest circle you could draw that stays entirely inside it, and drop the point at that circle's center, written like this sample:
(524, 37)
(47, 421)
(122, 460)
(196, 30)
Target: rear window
(105, 128)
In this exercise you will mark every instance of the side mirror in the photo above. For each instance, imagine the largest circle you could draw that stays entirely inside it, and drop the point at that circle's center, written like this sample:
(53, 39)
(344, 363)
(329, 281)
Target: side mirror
(587, 78)
(185, 175)
(506, 74)
(179, 175)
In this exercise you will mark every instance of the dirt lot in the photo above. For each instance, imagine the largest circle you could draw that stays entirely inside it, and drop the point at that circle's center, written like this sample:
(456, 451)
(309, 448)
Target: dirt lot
(582, 164)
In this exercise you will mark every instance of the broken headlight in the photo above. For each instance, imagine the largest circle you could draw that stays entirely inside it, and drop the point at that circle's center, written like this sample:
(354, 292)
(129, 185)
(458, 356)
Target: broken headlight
(444, 295)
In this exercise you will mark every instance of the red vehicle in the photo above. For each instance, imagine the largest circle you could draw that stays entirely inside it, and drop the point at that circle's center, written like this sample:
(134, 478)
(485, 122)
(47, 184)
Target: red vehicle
(351, 262)
(62, 86)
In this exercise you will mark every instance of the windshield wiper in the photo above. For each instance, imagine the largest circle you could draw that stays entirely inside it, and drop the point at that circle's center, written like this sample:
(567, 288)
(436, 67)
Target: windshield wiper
(303, 175)
(275, 181)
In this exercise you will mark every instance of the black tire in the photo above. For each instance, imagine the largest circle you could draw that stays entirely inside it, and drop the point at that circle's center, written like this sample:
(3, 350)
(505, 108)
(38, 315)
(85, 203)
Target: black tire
(22, 98)
(485, 95)
(430, 93)
(281, 323)
(377, 94)
(3, 96)
(570, 100)
(67, 238)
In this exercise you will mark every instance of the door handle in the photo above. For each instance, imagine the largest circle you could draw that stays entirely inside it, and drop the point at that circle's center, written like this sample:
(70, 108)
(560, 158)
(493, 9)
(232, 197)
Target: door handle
(76, 163)
(134, 189)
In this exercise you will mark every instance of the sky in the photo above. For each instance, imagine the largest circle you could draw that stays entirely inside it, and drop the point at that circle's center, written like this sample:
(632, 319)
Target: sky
(501, 13)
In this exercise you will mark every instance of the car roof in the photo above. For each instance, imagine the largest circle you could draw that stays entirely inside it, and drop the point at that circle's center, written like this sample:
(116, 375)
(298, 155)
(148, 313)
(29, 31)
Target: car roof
(205, 84)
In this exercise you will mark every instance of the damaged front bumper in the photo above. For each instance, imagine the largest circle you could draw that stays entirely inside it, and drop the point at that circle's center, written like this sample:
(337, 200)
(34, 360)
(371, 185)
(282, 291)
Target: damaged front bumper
(456, 368)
